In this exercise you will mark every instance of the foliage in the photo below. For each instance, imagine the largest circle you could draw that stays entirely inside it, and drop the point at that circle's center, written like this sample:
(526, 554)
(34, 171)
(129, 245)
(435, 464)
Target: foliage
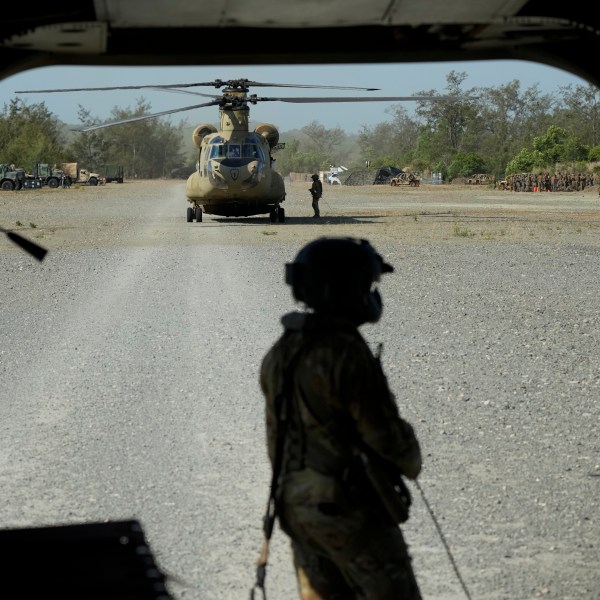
(499, 130)
(594, 153)
(29, 134)
(546, 151)
(147, 149)
(467, 164)
(314, 149)
(523, 162)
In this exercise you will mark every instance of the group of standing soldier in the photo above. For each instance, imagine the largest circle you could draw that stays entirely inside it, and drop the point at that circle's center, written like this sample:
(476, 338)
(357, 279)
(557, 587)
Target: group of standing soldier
(545, 182)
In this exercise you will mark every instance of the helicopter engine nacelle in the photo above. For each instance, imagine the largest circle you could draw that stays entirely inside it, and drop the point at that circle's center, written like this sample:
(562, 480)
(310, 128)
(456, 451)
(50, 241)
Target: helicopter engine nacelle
(201, 132)
(269, 132)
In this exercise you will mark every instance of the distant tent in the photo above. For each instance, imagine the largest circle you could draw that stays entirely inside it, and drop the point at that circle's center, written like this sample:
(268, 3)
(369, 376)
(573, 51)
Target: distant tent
(379, 176)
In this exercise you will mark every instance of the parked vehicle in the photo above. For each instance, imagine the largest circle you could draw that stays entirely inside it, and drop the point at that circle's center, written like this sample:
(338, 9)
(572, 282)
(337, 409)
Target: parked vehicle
(478, 178)
(333, 175)
(406, 179)
(54, 175)
(81, 176)
(112, 173)
(11, 178)
(47, 174)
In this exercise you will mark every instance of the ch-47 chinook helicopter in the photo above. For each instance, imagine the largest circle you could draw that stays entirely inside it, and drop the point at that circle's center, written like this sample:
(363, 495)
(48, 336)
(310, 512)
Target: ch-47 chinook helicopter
(235, 175)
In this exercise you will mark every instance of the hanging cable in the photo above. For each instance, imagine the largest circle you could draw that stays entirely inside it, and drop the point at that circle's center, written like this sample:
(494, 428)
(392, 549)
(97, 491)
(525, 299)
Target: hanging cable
(442, 537)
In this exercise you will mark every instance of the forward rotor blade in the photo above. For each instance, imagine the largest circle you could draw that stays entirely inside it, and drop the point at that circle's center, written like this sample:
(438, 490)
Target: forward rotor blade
(176, 91)
(218, 83)
(144, 117)
(322, 87)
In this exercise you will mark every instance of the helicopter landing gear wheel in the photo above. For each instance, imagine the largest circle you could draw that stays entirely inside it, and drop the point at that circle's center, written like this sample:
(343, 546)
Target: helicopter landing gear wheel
(190, 214)
(198, 215)
(273, 215)
(281, 215)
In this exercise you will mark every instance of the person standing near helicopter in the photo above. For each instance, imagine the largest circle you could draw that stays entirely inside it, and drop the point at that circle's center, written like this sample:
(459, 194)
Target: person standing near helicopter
(316, 190)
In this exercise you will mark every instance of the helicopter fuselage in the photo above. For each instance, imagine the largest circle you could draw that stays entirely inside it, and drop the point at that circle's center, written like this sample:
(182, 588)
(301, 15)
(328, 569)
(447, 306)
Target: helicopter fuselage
(234, 174)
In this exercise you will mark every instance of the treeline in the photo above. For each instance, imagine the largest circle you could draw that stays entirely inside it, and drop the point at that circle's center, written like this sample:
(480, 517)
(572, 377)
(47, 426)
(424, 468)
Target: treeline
(497, 130)
(146, 149)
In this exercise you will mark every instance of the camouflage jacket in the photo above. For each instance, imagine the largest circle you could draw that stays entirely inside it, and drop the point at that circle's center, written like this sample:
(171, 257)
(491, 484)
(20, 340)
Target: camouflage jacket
(316, 189)
(338, 394)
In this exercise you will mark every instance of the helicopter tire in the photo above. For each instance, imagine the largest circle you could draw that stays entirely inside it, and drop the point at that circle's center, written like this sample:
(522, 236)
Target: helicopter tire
(281, 215)
(198, 215)
(190, 214)
(273, 215)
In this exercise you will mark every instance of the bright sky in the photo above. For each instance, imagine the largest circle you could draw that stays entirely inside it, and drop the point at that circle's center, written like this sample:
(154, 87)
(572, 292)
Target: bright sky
(392, 79)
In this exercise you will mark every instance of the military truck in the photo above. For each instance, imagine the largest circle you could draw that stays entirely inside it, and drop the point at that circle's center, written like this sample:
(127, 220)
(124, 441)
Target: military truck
(112, 173)
(82, 176)
(405, 179)
(11, 178)
(478, 179)
(47, 174)
(52, 175)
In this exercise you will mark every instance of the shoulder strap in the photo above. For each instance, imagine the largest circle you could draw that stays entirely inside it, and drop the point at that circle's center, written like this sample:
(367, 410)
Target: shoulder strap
(281, 412)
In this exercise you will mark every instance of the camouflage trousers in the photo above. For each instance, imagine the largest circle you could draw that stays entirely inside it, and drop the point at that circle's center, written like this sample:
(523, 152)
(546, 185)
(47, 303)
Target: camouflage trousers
(348, 554)
(315, 207)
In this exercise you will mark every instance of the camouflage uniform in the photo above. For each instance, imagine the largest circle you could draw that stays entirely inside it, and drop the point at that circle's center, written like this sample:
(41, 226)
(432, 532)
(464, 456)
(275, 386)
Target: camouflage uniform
(344, 546)
(316, 191)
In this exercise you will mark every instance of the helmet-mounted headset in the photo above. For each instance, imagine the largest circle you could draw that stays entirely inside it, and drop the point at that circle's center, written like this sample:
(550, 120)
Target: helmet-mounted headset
(334, 276)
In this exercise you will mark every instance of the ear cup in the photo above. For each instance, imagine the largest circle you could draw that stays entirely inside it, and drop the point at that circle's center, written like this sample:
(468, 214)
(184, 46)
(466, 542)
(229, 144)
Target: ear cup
(334, 276)
(374, 307)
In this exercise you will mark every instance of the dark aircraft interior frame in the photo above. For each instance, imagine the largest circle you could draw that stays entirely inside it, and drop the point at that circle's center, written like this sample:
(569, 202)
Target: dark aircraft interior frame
(565, 35)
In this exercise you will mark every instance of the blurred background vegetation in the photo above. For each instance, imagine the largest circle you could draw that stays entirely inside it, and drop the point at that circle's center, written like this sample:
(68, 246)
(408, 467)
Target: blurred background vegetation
(496, 130)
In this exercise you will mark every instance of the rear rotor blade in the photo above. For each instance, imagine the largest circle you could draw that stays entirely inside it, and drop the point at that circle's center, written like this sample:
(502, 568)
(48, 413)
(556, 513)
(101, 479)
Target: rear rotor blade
(300, 100)
(117, 87)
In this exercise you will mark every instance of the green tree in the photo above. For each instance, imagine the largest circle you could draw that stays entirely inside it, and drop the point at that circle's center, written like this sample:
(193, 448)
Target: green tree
(29, 134)
(323, 144)
(450, 119)
(581, 113)
(295, 159)
(391, 142)
(467, 164)
(557, 145)
(524, 162)
(508, 119)
(89, 148)
(148, 148)
(594, 153)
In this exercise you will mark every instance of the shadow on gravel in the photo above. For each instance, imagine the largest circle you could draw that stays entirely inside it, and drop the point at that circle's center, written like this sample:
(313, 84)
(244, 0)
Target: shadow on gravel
(322, 220)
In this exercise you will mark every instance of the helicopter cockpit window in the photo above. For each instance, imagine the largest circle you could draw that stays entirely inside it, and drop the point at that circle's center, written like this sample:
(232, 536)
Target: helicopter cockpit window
(218, 150)
(233, 151)
(250, 151)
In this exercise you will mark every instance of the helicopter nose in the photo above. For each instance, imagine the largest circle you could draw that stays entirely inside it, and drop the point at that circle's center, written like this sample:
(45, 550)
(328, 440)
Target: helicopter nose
(239, 174)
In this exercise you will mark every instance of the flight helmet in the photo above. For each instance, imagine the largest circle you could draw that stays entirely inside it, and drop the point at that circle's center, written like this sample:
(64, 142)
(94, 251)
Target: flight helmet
(335, 276)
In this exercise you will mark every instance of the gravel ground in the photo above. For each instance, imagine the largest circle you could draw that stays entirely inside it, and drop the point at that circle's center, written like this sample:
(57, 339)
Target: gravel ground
(129, 362)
